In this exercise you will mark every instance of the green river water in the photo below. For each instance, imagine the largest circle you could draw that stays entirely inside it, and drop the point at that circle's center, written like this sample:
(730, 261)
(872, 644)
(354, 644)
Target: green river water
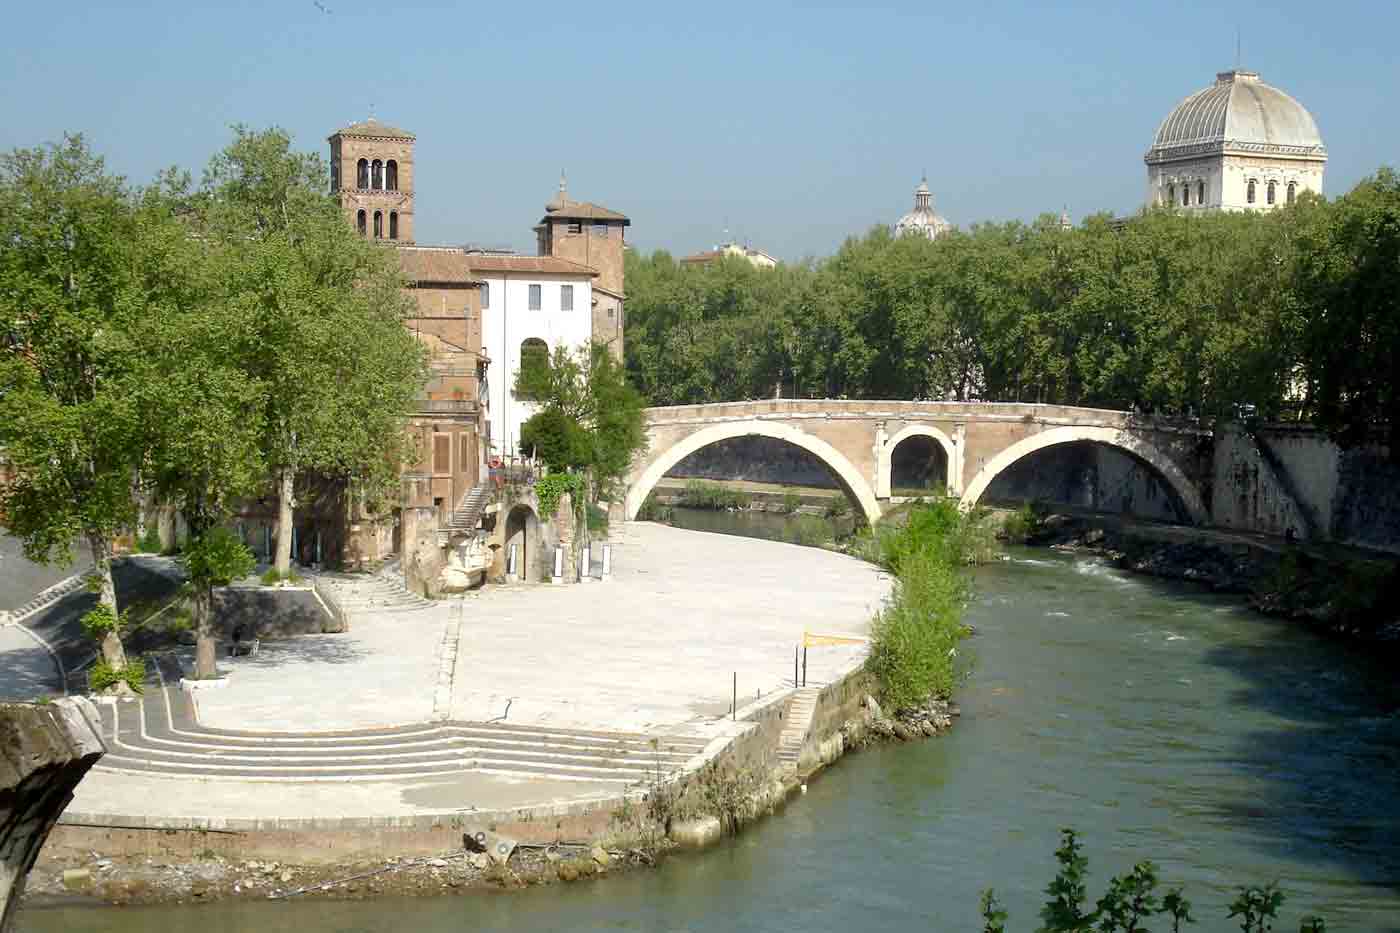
(1159, 721)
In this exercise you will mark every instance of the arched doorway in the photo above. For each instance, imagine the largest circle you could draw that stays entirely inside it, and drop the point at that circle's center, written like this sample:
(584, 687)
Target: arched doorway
(523, 533)
(1185, 501)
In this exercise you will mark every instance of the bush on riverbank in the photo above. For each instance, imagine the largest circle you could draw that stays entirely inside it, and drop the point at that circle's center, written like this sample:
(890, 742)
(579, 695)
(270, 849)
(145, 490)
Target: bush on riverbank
(914, 638)
(699, 494)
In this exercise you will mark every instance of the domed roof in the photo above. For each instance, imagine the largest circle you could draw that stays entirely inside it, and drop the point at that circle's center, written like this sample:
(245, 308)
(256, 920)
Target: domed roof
(922, 219)
(1239, 113)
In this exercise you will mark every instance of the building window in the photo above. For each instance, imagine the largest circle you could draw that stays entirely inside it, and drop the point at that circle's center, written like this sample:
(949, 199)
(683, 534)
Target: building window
(575, 226)
(534, 356)
(393, 225)
(485, 295)
(1292, 191)
(535, 291)
(1200, 192)
(376, 175)
(1249, 191)
(442, 453)
(566, 298)
(464, 455)
(360, 222)
(1186, 195)
(1171, 194)
(335, 177)
(362, 174)
(378, 225)
(1269, 195)
(600, 229)
(391, 175)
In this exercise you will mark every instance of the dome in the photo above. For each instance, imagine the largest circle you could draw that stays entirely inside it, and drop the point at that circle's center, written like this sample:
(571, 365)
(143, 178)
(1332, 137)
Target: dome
(922, 219)
(1238, 113)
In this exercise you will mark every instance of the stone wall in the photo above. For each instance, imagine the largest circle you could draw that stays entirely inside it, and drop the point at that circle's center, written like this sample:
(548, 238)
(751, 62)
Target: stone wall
(44, 753)
(1292, 476)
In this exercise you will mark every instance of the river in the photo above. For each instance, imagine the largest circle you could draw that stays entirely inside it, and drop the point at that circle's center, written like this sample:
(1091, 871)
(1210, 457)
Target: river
(1159, 721)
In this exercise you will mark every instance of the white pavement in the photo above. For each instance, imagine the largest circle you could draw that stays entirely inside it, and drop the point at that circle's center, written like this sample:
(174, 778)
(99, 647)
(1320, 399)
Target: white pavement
(658, 646)
(655, 647)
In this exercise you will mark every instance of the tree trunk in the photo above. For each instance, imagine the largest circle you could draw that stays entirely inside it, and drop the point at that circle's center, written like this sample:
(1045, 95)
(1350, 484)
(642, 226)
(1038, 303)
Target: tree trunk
(206, 641)
(285, 487)
(112, 651)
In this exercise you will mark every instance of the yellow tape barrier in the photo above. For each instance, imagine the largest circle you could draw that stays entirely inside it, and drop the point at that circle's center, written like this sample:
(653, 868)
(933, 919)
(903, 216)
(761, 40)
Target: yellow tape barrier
(809, 639)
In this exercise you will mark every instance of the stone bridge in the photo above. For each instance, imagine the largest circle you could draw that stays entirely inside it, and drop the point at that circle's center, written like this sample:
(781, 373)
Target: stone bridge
(856, 441)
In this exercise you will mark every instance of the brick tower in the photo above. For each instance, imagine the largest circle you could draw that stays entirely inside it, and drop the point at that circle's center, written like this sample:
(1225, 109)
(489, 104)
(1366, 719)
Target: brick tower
(594, 236)
(372, 174)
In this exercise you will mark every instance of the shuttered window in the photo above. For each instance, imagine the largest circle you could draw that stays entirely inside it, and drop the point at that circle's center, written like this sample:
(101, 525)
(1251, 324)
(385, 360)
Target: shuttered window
(566, 297)
(442, 453)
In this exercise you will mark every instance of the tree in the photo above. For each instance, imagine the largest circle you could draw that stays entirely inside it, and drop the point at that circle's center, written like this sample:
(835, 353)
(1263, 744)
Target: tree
(69, 291)
(1348, 283)
(590, 418)
(322, 313)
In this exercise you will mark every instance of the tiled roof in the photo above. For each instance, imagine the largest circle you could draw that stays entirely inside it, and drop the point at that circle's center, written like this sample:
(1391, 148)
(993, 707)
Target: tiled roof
(543, 265)
(581, 210)
(373, 127)
(429, 264)
(709, 255)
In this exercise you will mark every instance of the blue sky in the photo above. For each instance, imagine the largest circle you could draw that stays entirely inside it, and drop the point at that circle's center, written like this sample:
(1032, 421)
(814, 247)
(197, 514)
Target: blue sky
(793, 126)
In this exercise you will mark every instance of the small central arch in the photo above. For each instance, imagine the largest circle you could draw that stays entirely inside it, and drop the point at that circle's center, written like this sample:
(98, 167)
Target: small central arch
(846, 473)
(1111, 437)
(885, 467)
(522, 532)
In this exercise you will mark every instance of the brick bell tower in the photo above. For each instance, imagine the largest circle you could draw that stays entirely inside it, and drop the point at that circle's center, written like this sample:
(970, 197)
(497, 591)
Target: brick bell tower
(372, 174)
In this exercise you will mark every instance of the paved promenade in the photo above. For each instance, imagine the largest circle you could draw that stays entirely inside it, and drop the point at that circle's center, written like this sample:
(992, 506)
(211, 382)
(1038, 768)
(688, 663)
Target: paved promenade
(531, 695)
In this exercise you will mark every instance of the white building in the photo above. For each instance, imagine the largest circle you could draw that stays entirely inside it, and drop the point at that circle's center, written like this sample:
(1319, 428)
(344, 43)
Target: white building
(527, 303)
(922, 220)
(1239, 144)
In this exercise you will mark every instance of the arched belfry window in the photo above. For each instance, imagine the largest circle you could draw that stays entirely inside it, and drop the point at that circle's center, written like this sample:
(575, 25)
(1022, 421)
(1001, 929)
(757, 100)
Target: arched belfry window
(360, 223)
(1249, 191)
(393, 225)
(378, 225)
(1270, 194)
(362, 174)
(391, 175)
(1200, 192)
(377, 175)
(1292, 191)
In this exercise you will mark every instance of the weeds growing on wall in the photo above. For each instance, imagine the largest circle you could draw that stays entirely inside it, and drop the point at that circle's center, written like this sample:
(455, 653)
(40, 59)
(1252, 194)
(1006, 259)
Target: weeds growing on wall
(103, 675)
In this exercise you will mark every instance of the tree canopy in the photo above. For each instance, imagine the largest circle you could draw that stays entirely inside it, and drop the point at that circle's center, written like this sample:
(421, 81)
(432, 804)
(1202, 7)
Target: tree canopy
(1291, 312)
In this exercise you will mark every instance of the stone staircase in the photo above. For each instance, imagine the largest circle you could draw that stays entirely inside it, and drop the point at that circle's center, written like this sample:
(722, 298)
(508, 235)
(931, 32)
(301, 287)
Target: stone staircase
(377, 593)
(797, 723)
(467, 514)
(48, 597)
(158, 734)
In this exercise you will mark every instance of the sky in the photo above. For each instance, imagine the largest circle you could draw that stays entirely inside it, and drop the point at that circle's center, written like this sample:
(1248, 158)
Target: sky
(790, 126)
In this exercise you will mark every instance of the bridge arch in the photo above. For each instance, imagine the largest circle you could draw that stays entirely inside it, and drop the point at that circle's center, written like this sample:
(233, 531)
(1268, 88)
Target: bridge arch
(885, 466)
(1112, 437)
(846, 474)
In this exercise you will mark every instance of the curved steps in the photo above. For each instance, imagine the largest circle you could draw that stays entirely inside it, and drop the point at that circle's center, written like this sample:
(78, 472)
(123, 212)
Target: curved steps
(157, 734)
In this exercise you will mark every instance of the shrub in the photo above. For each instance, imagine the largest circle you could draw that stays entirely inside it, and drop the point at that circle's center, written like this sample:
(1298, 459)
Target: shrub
(699, 494)
(914, 638)
(597, 519)
(808, 530)
(271, 577)
(102, 675)
(1025, 523)
(101, 620)
(792, 501)
(838, 507)
(149, 542)
(653, 511)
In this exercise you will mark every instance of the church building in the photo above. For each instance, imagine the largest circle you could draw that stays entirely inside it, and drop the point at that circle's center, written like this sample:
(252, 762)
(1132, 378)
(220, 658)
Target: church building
(1239, 144)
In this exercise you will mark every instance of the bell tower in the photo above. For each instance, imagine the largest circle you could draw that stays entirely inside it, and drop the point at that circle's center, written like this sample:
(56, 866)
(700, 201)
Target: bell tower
(372, 175)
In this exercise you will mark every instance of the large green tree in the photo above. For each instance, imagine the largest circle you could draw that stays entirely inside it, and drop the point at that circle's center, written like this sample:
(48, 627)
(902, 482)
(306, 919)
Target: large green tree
(71, 284)
(320, 320)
